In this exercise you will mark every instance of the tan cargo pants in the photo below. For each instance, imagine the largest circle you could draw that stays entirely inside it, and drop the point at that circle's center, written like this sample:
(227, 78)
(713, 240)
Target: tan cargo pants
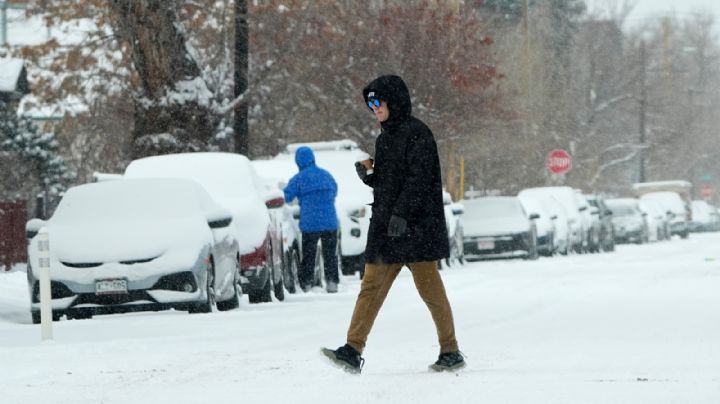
(374, 289)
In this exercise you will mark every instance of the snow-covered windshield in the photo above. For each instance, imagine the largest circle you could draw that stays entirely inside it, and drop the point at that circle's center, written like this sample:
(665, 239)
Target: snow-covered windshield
(490, 208)
(619, 208)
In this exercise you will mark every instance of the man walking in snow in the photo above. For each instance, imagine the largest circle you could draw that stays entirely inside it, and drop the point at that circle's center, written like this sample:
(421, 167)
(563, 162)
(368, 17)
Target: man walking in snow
(407, 227)
(316, 190)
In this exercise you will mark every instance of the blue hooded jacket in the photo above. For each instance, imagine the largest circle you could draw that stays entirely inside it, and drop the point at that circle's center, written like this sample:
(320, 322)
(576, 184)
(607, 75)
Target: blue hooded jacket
(316, 190)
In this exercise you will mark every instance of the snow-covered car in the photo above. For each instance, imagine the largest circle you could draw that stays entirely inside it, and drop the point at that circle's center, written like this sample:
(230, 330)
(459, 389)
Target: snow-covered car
(657, 220)
(453, 210)
(133, 245)
(566, 196)
(544, 224)
(353, 198)
(702, 216)
(628, 220)
(561, 229)
(679, 210)
(604, 216)
(496, 227)
(591, 220)
(232, 182)
(674, 196)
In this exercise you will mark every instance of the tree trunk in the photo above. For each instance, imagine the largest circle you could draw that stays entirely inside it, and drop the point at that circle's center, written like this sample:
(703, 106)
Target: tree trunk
(172, 114)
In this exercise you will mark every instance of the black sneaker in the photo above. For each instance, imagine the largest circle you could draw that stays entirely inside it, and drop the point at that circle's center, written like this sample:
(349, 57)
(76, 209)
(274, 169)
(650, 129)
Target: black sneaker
(345, 357)
(449, 361)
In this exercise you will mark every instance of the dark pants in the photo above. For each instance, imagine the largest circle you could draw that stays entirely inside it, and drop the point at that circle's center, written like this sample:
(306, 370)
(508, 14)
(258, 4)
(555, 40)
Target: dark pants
(328, 240)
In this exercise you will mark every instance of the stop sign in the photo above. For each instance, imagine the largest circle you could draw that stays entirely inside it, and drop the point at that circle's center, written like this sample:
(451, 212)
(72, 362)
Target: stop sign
(707, 191)
(558, 161)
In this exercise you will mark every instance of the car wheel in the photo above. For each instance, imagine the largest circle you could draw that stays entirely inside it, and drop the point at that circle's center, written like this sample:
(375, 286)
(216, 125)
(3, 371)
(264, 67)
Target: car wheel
(291, 275)
(209, 304)
(279, 287)
(233, 302)
(35, 317)
(532, 253)
(352, 264)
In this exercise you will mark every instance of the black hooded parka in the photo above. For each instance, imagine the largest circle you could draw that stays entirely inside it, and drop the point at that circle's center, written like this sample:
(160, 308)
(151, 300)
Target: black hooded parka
(406, 182)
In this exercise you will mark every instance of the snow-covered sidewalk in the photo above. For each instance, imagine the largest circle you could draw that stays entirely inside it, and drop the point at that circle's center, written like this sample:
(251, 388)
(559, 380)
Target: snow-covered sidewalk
(640, 325)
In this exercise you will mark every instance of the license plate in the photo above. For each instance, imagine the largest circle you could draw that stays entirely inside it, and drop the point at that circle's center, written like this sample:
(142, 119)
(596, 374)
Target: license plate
(486, 244)
(111, 286)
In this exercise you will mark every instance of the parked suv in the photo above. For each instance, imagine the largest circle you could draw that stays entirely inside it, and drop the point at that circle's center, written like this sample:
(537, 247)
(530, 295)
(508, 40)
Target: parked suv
(233, 183)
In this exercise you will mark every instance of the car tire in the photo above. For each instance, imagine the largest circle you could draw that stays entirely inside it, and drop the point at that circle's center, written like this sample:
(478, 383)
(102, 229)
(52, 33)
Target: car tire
(279, 287)
(233, 302)
(291, 271)
(209, 304)
(352, 264)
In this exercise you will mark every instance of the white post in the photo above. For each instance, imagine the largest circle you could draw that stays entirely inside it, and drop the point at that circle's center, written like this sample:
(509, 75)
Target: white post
(45, 296)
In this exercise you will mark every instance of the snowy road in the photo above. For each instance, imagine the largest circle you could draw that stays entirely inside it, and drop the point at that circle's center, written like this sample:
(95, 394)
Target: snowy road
(641, 325)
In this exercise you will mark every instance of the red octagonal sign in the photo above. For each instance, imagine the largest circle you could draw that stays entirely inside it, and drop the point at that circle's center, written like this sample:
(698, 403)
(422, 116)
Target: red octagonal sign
(558, 161)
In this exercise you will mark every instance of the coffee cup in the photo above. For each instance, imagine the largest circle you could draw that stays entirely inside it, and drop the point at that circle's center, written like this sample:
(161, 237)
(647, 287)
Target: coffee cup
(366, 162)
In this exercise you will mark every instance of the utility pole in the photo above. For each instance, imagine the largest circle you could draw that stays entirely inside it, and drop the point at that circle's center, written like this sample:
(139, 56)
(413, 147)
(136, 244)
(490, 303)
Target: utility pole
(526, 48)
(240, 125)
(643, 108)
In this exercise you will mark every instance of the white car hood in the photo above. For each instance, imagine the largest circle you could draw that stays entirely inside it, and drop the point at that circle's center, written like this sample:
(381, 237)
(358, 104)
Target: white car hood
(114, 241)
(494, 227)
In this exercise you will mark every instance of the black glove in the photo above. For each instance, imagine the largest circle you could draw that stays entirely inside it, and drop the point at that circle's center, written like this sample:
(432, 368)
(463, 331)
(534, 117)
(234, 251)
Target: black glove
(396, 226)
(361, 171)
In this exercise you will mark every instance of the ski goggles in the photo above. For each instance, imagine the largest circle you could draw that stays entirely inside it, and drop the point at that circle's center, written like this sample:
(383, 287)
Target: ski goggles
(373, 103)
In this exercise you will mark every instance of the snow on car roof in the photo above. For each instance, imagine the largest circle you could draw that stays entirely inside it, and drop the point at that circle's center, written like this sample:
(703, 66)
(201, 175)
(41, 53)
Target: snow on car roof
(136, 199)
(221, 174)
(340, 163)
(668, 199)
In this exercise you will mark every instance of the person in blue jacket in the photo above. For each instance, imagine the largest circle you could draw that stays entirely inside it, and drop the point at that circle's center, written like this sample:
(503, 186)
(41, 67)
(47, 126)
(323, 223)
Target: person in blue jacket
(316, 190)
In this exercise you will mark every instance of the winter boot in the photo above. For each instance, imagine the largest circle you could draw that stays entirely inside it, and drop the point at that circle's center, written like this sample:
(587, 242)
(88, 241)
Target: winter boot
(449, 361)
(346, 358)
(332, 287)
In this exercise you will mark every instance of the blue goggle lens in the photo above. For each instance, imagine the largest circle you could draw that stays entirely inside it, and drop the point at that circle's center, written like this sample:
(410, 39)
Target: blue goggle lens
(374, 103)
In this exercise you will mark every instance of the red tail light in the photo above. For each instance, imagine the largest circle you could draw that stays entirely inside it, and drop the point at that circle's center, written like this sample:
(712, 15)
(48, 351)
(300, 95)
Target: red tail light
(256, 258)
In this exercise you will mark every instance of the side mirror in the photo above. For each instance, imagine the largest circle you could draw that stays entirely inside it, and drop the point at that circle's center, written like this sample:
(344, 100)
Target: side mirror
(33, 226)
(534, 216)
(219, 218)
(582, 208)
(275, 203)
(220, 223)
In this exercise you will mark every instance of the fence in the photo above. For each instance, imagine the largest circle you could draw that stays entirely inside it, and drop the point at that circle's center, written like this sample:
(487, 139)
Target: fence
(13, 247)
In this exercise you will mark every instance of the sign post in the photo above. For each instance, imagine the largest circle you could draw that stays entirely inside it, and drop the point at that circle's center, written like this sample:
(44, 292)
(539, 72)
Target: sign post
(558, 161)
(45, 295)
